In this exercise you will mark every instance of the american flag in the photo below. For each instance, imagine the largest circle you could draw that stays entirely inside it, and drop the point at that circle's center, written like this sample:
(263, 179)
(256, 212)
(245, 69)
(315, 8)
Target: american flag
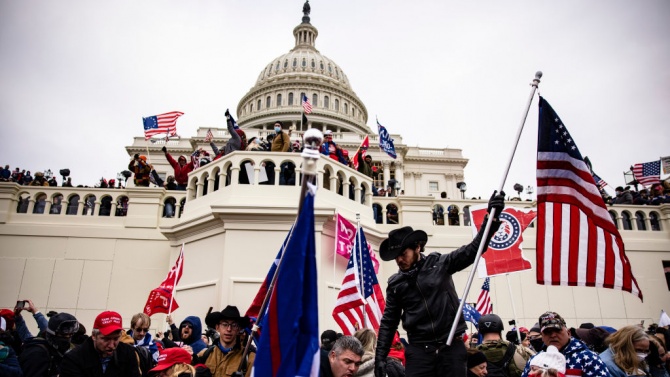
(306, 105)
(648, 173)
(195, 159)
(484, 305)
(599, 182)
(577, 242)
(356, 294)
(161, 124)
(209, 136)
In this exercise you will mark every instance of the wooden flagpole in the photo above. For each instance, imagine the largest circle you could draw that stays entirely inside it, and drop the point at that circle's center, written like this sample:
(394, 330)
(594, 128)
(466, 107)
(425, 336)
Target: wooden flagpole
(534, 84)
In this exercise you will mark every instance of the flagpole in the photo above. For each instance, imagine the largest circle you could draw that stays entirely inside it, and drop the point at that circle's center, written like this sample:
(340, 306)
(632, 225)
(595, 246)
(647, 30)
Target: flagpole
(176, 275)
(454, 325)
(360, 267)
(511, 298)
(312, 140)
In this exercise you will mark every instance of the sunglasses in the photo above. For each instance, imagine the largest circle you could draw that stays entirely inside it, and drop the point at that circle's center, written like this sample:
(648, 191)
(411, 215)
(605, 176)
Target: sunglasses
(186, 325)
(142, 329)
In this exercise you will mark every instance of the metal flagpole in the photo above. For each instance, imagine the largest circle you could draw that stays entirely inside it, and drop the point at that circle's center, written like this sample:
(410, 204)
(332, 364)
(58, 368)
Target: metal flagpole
(511, 298)
(310, 154)
(534, 84)
(174, 285)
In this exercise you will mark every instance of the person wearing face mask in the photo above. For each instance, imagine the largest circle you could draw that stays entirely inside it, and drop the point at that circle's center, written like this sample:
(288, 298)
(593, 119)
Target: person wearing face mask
(43, 356)
(627, 351)
(281, 141)
(580, 359)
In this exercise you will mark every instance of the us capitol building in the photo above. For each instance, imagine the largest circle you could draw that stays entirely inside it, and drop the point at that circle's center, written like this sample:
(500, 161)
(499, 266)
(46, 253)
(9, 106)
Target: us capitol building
(85, 250)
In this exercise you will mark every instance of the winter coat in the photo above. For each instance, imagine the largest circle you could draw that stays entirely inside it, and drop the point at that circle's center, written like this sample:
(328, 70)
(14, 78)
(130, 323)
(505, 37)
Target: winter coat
(233, 144)
(495, 352)
(195, 340)
(580, 361)
(225, 365)
(367, 368)
(281, 143)
(141, 172)
(39, 359)
(9, 366)
(426, 299)
(180, 172)
(84, 361)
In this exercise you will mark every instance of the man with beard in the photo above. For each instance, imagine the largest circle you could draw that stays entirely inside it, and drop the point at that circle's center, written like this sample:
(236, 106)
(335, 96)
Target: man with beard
(223, 358)
(102, 354)
(43, 356)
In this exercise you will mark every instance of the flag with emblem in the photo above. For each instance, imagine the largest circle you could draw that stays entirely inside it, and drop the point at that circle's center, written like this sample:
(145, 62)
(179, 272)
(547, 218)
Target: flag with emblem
(577, 243)
(648, 173)
(161, 299)
(306, 106)
(385, 141)
(484, 305)
(471, 314)
(161, 124)
(360, 303)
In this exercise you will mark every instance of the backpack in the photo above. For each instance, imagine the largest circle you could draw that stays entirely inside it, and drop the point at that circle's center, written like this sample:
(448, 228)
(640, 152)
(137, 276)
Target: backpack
(499, 368)
(145, 360)
(54, 358)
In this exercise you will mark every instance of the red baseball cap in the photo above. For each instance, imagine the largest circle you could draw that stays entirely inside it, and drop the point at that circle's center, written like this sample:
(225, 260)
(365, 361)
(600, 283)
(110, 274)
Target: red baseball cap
(171, 356)
(108, 322)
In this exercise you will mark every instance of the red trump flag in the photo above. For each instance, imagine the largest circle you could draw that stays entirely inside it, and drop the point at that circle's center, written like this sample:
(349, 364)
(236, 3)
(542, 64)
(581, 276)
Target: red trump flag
(161, 299)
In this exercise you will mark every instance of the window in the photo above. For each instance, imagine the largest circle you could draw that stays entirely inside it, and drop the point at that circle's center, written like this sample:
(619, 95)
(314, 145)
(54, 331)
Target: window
(251, 107)
(304, 62)
(625, 220)
(315, 100)
(433, 186)
(326, 102)
(330, 69)
(285, 63)
(321, 65)
(267, 102)
(353, 111)
(639, 219)
(279, 99)
(259, 104)
(277, 66)
(337, 105)
(295, 62)
(653, 219)
(290, 99)
(313, 64)
(346, 108)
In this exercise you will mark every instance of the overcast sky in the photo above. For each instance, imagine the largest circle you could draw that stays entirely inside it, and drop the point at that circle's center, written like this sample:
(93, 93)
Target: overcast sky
(76, 76)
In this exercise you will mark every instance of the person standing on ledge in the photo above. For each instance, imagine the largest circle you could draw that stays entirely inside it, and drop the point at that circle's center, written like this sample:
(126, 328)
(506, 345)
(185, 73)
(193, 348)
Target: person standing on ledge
(423, 295)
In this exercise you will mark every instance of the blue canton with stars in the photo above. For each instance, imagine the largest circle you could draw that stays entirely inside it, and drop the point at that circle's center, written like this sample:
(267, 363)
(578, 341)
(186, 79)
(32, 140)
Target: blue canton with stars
(552, 135)
(506, 236)
(150, 122)
(579, 358)
(369, 276)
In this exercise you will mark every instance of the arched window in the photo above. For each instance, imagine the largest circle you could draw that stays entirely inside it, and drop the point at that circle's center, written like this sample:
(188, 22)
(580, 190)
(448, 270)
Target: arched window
(639, 219)
(613, 216)
(315, 100)
(438, 215)
(377, 213)
(259, 104)
(326, 102)
(278, 99)
(89, 205)
(105, 206)
(346, 108)
(337, 105)
(330, 69)
(391, 214)
(295, 62)
(452, 216)
(40, 204)
(321, 65)
(353, 111)
(313, 64)
(169, 207)
(653, 219)
(267, 102)
(466, 216)
(57, 205)
(251, 107)
(290, 99)
(277, 66)
(122, 206)
(72, 205)
(304, 62)
(625, 219)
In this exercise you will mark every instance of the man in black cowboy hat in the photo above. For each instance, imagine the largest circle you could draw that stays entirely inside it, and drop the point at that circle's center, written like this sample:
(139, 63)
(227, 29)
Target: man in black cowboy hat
(422, 294)
(223, 357)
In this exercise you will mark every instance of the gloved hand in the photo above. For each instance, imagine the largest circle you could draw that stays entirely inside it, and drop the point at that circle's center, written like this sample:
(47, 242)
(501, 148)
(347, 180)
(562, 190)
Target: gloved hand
(227, 114)
(497, 202)
(137, 155)
(164, 149)
(380, 368)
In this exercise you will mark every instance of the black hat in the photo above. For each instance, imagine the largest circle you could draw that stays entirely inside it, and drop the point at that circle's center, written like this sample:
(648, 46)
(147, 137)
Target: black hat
(329, 335)
(490, 323)
(476, 358)
(230, 312)
(62, 324)
(399, 240)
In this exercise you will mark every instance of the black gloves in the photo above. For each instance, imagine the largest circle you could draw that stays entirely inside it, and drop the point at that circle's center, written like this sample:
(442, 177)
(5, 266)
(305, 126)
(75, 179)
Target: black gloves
(497, 202)
(137, 155)
(227, 114)
(380, 368)
(164, 149)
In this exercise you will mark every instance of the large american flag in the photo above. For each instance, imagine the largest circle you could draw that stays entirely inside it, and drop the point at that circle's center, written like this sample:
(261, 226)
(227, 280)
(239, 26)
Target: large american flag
(577, 242)
(161, 124)
(306, 105)
(648, 173)
(484, 305)
(357, 293)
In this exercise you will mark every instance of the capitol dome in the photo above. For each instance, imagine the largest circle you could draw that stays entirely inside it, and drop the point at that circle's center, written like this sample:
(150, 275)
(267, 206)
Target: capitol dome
(280, 85)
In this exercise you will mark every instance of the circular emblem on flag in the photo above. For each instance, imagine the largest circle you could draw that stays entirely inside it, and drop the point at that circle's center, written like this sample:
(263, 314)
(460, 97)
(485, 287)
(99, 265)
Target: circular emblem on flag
(508, 234)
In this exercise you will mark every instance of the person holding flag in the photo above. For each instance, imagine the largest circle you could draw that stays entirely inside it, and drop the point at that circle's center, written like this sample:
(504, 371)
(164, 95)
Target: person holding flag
(423, 295)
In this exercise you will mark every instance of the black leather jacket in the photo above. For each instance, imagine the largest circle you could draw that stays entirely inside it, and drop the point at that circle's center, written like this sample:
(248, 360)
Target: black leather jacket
(426, 302)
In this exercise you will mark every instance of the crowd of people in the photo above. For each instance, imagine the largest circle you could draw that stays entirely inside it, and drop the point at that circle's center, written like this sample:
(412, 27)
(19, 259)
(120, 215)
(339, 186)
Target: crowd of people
(659, 193)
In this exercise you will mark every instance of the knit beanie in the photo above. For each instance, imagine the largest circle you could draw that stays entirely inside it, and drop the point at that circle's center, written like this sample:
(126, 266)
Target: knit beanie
(549, 359)
(475, 359)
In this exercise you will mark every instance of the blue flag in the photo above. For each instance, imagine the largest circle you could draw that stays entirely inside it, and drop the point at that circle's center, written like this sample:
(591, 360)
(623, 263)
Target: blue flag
(289, 342)
(385, 141)
(232, 120)
(471, 314)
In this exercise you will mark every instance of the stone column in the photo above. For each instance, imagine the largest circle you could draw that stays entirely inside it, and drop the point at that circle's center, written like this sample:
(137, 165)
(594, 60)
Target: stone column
(387, 173)
(399, 175)
(409, 180)
(417, 184)
(65, 204)
(200, 185)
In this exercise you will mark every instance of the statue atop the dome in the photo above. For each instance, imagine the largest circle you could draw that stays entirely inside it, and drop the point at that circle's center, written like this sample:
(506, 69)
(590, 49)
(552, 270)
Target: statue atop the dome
(306, 9)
